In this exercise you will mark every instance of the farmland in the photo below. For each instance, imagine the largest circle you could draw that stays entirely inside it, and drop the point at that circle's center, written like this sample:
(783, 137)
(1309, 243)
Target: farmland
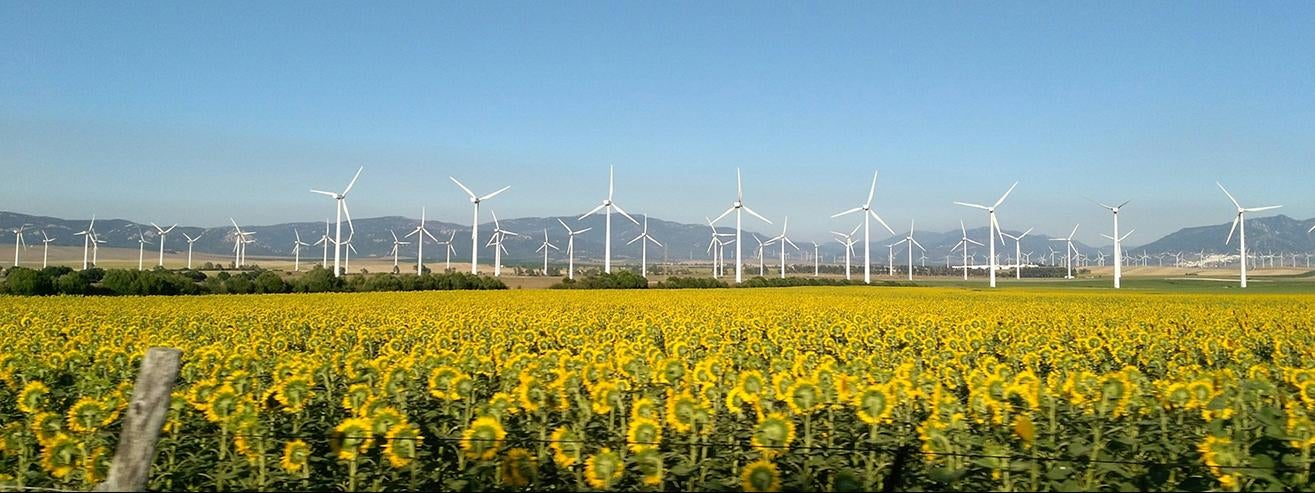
(799, 388)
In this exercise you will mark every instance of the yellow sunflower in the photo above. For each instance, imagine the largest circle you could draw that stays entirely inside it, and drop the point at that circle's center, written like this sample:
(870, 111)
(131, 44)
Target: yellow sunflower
(296, 454)
(760, 476)
(483, 438)
(603, 469)
(88, 415)
(401, 444)
(60, 456)
(33, 397)
(566, 449)
(355, 437)
(518, 468)
(644, 434)
(804, 397)
(650, 466)
(773, 434)
(874, 404)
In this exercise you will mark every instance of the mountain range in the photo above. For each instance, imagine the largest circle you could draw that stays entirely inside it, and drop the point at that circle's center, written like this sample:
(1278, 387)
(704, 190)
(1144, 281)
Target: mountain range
(681, 241)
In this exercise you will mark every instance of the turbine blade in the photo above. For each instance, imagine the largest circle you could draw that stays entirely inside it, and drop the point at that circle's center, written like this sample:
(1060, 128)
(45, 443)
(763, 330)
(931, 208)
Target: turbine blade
(353, 182)
(975, 242)
(463, 187)
(757, 215)
(1230, 196)
(1233, 229)
(591, 212)
(728, 211)
(850, 211)
(431, 236)
(500, 190)
(982, 207)
(1075, 231)
(872, 190)
(1007, 192)
(856, 228)
(739, 186)
(655, 242)
(563, 223)
(1258, 209)
(1108, 237)
(609, 183)
(919, 245)
(322, 192)
(883, 222)
(634, 240)
(623, 213)
(1124, 203)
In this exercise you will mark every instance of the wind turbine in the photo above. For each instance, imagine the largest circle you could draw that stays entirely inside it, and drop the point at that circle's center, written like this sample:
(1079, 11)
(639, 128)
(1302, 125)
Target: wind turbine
(45, 247)
(890, 259)
(716, 247)
(397, 247)
(296, 251)
(816, 267)
(867, 233)
(848, 241)
(87, 235)
(607, 228)
(1018, 252)
(420, 242)
(347, 252)
(499, 234)
(736, 207)
(240, 244)
(993, 226)
(570, 248)
(162, 232)
(643, 247)
(141, 248)
(1118, 240)
(544, 248)
(447, 245)
(783, 239)
(911, 243)
(340, 209)
(1068, 252)
(474, 224)
(191, 240)
(963, 243)
(18, 241)
(761, 245)
(1240, 219)
(324, 240)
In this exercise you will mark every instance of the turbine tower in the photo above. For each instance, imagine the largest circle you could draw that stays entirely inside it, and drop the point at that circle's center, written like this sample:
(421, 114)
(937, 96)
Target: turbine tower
(87, 238)
(162, 232)
(570, 248)
(474, 224)
(736, 207)
(643, 248)
(1018, 252)
(1068, 251)
(296, 252)
(1239, 224)
(190, 241)
(141, 249)
(340, 209)
(397, 248)
(783, 239)
(499, 234)
(45, 247)
(547, 245)
(607, 223)
(911, 243)
(816, 266)
(867, 233)
(848, 240)
(447, 246)
(18, 241)
(324, 240)
(420, 242)
(1118, 240)
(963, 243)
(993, 226)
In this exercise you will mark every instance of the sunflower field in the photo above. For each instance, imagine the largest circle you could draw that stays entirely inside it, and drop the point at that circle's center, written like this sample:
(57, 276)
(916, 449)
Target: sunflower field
(798, 389)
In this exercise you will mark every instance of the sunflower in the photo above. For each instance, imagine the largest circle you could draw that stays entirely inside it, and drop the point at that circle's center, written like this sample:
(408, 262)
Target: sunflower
(483, 438)
(644, 434)
(296, 454)
(358, 394)
(384, 418)
(566, 450)
(650, 466)
(355, 437)
(804, 397)
(96, 465)
(401, 444)
(760, 476)
(644, 407)
(88, 415)
(1218, 453)
(682, 412)
(1025, 430)
(442, 382)
(11, 437)
(46, 427)
(198, 395)
(223, 401)
(294, 392)
(603, 396)
(773, 434)
(531, 394)
(518, 468)
(670, 371)
(33, 397)
(874, 404)
(603, 469)
(59, 457)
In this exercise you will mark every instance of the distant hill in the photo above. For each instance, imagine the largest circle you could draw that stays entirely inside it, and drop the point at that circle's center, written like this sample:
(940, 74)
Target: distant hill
(681, 241)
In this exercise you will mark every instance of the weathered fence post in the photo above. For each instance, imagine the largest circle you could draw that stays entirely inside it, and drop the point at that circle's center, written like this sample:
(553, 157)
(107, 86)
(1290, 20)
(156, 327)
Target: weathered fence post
(141, 428)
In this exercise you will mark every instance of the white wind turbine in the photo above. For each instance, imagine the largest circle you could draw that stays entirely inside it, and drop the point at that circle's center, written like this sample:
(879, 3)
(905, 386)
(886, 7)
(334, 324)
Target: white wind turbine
(737, 206)
(816, 266)
(783, 240)
(643, 248)
(867, 234)
(570, 248)
(547, 245)
(993, 226)
(499, 235)
(1018, 252)
(95, 248)
(1068, 251)
(162, 232)
(190, 241)
(296, 251)
(474, 224)
(324, 240)
(420, 242)
(18, 241)
(608, 204)
(141, 248)
(761, 245)
(340, 209)
(240, 244)
(397, 248)
(447, 246)
(1118, 240)
(911, 243)
(716, 247)
(963, 243)
(347, 253)
(45, 246)
(87, 236)
(1239, 223)
(848, 240)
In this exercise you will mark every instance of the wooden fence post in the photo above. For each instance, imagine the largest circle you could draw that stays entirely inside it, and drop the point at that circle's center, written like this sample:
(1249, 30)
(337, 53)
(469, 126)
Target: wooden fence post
(141, 428)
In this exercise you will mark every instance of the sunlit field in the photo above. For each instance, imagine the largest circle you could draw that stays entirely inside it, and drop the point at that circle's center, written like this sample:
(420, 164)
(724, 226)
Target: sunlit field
(735, 389)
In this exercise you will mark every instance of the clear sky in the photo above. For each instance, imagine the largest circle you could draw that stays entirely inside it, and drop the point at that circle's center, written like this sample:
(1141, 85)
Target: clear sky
(194, 111)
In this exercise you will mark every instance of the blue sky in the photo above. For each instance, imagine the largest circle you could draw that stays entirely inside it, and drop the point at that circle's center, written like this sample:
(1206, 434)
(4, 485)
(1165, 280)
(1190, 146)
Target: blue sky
(194, 111)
